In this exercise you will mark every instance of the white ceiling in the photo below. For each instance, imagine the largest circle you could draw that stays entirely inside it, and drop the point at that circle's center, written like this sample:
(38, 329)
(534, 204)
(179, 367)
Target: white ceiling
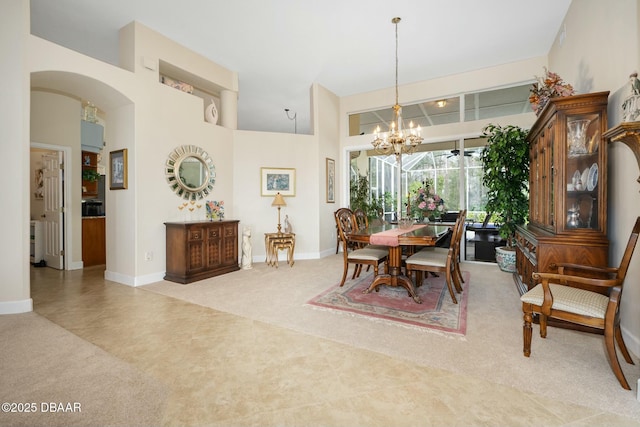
(280, 47)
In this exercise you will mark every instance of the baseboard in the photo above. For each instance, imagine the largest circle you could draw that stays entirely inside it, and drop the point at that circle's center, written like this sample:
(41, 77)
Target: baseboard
(75, 265)
(120, 278)
(149, 278)
(631, 341)
(15, 307)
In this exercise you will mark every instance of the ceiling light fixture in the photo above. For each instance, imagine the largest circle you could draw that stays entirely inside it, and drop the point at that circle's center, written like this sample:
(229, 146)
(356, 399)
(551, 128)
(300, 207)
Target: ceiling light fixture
(441, 103)
(397, 140)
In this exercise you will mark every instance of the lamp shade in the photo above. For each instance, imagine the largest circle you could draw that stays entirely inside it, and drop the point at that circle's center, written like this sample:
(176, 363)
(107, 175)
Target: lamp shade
(279, 200)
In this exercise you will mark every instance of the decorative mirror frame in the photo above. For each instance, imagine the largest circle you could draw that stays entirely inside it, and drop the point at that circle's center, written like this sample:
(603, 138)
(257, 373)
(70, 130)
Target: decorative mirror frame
(172, 168)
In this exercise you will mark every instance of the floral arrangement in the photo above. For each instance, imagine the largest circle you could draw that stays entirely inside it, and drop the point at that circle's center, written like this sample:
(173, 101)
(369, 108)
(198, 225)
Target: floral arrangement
(215, 210)
(547, 87)
(427, 203)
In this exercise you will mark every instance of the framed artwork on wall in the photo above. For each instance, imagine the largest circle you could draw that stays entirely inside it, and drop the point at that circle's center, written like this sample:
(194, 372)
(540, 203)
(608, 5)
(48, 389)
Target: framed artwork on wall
(277, 180)
(118, 169)
(331, 180)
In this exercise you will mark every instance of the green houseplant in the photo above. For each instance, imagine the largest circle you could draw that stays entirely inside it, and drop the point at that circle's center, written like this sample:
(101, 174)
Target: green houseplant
(505, 163)
(361, 197)
(90, 175)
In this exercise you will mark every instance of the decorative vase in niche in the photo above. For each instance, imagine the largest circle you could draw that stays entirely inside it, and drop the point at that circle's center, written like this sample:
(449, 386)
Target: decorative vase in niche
(211, 113)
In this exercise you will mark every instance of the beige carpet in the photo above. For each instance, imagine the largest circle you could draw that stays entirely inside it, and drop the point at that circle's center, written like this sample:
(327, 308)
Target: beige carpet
(568, 366)
(44, 364)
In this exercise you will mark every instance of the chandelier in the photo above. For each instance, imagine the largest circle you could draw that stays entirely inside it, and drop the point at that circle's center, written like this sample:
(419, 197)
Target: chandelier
(398, 140)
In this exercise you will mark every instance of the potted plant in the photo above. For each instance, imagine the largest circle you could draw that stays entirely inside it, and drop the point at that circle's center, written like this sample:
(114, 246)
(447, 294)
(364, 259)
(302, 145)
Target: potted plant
(505, 163)
(361, 197)
(90, 175)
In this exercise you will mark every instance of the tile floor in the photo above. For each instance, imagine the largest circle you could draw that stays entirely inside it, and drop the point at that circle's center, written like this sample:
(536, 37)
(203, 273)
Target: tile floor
(226, 370)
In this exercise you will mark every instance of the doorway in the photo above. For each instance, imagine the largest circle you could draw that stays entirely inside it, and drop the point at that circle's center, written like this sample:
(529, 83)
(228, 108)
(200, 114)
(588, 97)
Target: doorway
(49, 200)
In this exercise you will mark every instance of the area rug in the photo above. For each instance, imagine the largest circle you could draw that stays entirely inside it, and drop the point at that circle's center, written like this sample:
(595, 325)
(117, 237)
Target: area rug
(437, 313)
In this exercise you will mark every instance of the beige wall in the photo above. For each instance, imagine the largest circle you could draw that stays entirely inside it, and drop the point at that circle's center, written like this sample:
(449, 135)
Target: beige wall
(601, 48)
(14, 151)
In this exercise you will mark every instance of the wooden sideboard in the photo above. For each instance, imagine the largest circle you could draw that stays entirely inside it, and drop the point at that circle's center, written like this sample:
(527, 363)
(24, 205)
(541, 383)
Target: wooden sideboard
(198, 250)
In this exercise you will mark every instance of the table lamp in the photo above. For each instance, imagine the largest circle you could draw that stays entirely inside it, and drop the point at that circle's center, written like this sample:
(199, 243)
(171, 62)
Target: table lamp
(279, 202)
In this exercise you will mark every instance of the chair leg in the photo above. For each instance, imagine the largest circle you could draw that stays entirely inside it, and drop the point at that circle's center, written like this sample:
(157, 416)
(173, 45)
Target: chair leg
(356, 271)
(613, 358)
(543, 325)
(623, 347)
(526, 333)
(419, 278)
(456, 281)
(344, 274)
(457, 267)
(451, 292)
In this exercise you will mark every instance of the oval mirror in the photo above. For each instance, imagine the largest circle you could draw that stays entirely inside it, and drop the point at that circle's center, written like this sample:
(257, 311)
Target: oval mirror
(190, 172)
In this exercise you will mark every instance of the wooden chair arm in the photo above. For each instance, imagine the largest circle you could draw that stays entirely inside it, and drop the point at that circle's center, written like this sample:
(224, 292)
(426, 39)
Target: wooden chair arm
(562, 279)
(560, 266)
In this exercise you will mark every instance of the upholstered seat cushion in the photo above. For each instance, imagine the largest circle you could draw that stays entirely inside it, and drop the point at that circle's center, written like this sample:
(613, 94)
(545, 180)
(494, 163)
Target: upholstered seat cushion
(429, 257)
(368, 254)
(572, 300)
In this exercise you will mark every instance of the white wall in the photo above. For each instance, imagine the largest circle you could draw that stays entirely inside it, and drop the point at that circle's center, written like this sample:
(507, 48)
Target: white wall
(601, 48)
(14, 152)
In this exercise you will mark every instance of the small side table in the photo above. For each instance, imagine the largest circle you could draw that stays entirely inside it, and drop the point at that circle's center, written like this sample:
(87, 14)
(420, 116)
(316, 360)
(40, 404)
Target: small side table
(274, 242)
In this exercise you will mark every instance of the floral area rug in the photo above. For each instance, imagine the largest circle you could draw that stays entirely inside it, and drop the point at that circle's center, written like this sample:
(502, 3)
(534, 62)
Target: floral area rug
(437, 313)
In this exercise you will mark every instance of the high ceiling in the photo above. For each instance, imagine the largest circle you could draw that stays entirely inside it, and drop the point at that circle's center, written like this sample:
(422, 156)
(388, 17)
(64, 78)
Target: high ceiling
(280, 47)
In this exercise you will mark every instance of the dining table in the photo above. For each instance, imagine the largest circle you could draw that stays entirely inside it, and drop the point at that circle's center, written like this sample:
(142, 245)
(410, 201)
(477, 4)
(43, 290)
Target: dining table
(395, 238)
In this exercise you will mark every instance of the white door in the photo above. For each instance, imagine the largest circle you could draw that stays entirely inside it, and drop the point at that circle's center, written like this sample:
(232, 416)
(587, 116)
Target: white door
(53, 210)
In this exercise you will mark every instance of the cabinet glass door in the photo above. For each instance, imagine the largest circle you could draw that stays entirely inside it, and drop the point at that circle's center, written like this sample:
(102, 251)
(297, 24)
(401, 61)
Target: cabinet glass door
(582, 163)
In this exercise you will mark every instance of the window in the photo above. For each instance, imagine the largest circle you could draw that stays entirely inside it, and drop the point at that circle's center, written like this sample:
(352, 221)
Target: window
(440, 162)
(477, 106)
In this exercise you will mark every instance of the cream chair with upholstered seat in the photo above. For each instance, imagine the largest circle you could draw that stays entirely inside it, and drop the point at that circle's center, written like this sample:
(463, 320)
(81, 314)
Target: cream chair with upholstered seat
(573, 299)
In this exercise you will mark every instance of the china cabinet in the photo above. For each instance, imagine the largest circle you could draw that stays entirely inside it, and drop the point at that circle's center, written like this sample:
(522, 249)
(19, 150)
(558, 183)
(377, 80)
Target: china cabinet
(568, 188)
(198, 250)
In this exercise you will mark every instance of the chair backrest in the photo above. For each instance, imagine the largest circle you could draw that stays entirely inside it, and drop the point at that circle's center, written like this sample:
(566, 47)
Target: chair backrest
(628, 252)
(362, 221)
(458, 231)
(344, 221)
(486, 220)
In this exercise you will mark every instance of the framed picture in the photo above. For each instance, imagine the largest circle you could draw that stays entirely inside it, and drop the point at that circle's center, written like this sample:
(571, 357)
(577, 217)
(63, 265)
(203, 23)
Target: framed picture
(118, 169)
(331, 180)
(277, 180)
(39, 184)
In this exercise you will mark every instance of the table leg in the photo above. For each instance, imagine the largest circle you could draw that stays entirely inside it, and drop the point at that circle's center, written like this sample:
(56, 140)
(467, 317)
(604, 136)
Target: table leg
(395, 276)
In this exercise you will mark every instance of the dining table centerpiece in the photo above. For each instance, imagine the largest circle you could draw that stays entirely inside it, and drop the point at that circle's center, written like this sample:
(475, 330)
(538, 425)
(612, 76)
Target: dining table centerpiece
(427, 204)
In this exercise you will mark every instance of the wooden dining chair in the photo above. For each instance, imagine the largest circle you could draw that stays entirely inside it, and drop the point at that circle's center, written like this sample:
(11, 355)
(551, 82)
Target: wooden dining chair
(458, 228)
(372, 256)
(574, 299)
(440, 260)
